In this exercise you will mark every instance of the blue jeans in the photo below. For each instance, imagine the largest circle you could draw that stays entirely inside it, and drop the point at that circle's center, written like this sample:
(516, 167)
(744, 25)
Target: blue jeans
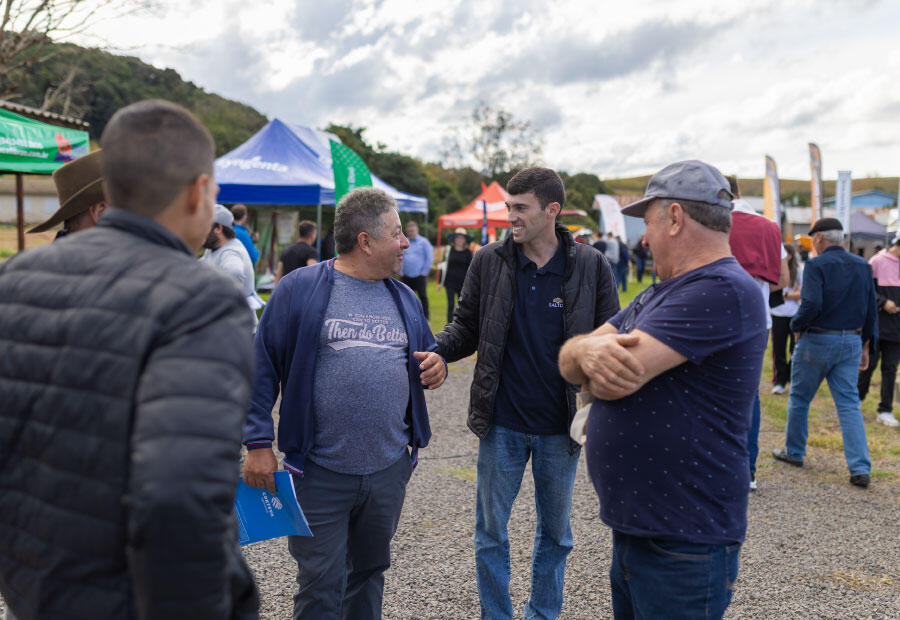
(652, 578)
(502, 456)
(616, 273)
(753, 435)
(352, 518)
(639, 268)
(835, 358)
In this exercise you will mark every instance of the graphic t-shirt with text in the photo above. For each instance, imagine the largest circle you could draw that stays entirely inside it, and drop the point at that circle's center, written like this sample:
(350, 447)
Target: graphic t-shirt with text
(361, 388)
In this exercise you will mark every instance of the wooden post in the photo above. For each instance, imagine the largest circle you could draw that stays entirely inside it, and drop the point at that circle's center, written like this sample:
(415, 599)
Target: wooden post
(20, 211)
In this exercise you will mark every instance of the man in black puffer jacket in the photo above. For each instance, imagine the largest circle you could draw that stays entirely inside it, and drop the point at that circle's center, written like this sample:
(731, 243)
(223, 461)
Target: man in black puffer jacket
(125, 378)
(522, 298)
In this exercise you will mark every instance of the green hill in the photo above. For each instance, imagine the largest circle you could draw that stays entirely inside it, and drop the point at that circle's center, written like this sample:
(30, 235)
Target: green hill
(92, 84)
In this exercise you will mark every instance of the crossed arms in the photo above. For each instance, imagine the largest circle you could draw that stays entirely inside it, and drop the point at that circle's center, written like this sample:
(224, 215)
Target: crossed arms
(611, 365)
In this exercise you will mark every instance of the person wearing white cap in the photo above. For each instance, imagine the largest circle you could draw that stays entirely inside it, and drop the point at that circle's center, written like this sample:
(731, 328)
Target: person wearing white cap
(674, 376)
(227, 253)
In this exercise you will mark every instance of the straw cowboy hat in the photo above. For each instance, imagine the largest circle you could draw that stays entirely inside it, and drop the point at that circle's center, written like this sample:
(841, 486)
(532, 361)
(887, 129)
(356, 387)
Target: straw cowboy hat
(79, 185)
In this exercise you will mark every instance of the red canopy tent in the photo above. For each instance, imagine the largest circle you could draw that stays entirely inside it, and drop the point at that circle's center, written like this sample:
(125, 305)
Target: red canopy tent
(472, 215)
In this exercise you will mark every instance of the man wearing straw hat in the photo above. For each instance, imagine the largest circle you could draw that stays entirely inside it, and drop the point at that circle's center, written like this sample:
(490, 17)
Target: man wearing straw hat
(79, 185)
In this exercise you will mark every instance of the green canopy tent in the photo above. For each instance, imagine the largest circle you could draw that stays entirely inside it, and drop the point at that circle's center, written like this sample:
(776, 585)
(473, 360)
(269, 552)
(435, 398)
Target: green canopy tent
(28, 146)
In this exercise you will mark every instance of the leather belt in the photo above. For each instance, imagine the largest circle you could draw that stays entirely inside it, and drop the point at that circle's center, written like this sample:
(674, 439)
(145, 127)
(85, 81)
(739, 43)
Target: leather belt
(818, 330)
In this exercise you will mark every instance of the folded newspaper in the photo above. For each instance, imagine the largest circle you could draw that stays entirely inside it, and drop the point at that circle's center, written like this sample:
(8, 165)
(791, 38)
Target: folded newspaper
(261, 515)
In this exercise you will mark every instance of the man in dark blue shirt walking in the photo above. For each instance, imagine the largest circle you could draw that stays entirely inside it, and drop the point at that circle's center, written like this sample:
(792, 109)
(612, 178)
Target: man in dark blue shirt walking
(836, 320)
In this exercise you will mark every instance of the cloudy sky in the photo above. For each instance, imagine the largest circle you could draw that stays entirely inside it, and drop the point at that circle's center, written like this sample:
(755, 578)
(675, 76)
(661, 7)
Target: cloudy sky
(617, 88)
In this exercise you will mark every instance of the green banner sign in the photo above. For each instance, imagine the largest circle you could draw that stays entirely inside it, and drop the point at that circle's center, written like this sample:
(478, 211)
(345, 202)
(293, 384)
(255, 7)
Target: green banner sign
(37, 148)
(350, 171)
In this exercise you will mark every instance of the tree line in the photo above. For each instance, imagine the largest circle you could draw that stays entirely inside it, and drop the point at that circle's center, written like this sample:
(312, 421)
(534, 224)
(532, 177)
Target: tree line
(489, 145)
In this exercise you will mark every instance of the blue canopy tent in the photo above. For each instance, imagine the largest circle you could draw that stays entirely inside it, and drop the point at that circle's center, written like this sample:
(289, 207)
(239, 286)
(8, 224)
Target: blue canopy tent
(288, 164)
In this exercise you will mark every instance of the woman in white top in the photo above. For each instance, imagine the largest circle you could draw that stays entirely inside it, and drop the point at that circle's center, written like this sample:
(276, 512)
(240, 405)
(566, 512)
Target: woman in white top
(781, 323)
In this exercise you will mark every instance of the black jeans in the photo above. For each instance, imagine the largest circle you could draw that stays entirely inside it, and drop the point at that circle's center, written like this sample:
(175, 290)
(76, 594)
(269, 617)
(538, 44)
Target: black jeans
(420, 285)
(451, 302)
(781, 336)
(889, 352)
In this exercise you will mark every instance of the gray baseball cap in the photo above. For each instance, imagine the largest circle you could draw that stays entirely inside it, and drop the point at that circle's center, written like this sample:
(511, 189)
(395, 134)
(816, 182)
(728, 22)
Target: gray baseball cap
(684, 180)
(223, 216)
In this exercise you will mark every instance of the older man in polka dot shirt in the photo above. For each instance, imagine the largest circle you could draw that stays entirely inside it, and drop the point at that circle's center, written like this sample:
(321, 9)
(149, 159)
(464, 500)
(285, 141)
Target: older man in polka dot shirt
(674, 377)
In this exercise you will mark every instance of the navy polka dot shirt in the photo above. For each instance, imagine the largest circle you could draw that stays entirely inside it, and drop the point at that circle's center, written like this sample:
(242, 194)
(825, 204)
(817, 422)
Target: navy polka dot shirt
(670, 461)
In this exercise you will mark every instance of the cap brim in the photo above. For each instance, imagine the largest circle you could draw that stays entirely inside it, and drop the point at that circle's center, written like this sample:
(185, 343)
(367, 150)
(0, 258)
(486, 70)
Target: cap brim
(637, 209)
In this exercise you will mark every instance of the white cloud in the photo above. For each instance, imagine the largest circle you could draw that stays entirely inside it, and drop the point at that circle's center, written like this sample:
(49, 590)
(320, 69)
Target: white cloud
(619, 88)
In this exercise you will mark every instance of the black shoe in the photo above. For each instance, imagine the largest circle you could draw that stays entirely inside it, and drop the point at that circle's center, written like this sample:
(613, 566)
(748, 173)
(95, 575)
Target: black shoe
(781, 455)
(860, 480)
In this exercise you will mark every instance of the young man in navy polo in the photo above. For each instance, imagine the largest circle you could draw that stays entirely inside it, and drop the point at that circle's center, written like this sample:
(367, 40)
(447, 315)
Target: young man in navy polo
(521, 299)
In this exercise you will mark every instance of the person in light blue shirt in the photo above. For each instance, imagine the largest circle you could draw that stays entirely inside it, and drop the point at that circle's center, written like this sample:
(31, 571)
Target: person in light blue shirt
(417, 259)
(241, 232)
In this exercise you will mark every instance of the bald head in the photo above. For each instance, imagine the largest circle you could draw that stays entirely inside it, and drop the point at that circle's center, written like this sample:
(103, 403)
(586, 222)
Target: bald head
(151, 151)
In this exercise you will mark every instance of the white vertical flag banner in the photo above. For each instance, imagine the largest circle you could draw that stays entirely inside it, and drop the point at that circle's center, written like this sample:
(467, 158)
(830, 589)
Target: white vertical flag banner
(842, 199)
(772, 193)
(815, 167)
(613, 220)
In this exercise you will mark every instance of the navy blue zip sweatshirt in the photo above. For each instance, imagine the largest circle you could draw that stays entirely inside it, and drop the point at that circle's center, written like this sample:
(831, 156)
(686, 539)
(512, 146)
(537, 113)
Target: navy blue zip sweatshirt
(286, 347)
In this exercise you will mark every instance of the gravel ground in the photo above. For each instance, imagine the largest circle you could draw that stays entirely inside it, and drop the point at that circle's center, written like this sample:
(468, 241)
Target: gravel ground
(816, 546)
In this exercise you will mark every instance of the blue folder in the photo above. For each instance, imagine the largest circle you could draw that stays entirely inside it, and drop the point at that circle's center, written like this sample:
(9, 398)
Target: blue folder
(261, 515)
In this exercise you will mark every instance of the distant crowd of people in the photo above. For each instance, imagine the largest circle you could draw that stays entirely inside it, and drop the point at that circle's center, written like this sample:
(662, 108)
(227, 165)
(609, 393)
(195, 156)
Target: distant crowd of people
(133, 374)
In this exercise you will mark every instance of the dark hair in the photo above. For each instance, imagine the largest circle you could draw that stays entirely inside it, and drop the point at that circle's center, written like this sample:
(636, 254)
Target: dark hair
(543, 182)
(733, 184)
(792, 263)
(305, 229)
(360, 211)
(152, 150)
(709, 216)
(77, 222)
(239, 212)
(228, 232)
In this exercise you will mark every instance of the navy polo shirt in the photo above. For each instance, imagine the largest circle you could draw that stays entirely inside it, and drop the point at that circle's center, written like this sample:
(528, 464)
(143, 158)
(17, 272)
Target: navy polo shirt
(670, 461)
(531, 397)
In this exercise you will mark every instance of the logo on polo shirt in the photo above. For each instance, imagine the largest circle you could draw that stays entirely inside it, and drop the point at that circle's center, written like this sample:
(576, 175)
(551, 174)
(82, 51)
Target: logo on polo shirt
(556, 303)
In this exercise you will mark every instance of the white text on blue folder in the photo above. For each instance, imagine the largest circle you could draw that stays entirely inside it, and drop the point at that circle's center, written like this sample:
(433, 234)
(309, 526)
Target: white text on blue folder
(261, 515)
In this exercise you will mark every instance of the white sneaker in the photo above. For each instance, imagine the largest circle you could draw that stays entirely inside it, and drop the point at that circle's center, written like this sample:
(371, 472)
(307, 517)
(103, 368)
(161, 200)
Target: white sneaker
(752, 483)
(778, 389)
(887, 418)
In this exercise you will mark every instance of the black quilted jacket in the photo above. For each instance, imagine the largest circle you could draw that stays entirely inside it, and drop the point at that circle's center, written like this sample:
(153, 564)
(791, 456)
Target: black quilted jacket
(125, 372)
(481, 319)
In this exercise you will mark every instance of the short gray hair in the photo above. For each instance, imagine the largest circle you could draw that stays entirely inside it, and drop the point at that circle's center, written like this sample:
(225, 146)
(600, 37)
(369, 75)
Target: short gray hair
(360, 211)
(707, 215)
(833, 236)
